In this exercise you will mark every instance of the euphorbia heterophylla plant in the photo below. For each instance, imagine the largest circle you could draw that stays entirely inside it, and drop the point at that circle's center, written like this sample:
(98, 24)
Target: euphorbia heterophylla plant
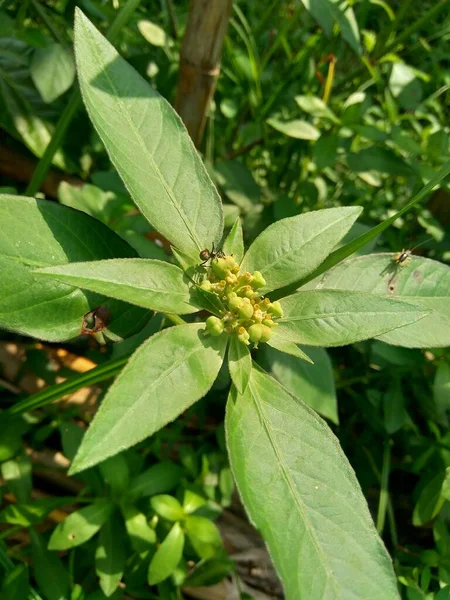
(294, 480)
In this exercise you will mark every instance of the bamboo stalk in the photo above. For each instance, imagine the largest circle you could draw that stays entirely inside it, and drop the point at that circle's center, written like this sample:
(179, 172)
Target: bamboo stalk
(201, 53)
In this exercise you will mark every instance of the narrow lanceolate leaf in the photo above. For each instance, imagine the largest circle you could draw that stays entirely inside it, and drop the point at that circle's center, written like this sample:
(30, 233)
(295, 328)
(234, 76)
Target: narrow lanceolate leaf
(315, 518)
(290, 249)
(148, 145)
(45, 562)
(167, 556)
(239, 363)
(38, 234)
(153, 284)
(110, 555)
(234, 242)
(422, 282)
(288, 348)
(80, 526)
(336, 318)
(165, 376)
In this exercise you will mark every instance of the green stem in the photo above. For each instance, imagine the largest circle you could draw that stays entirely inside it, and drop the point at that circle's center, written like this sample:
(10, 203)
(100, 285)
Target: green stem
(46, 160)
(424, 19)
(72, 108)
(384, 491)
(105, 371)
(348, 249)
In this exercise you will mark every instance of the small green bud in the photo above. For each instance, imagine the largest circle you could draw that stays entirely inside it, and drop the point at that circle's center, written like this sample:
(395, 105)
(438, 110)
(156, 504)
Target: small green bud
(206, 285)
(242, 335)
(269, 323)
(259, 333)
(223, 267)
(214, 326)
(258, 280)
(275, 309)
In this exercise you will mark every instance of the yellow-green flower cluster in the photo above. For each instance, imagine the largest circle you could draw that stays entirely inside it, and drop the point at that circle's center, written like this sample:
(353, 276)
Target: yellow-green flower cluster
(246, 314)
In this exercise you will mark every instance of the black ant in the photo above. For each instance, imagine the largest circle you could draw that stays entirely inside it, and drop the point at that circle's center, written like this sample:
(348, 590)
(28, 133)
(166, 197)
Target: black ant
(210, 255)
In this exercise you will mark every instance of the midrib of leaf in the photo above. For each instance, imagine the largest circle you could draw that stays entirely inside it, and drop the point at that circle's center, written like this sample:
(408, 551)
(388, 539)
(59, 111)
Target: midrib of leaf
(135, 131)
(301, 508)
(282, 257)
(340, 314)
(24, 261)
(119, 285)
(158, 381)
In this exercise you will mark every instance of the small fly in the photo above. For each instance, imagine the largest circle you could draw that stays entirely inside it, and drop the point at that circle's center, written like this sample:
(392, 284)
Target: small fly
(404, 257)
(210, 255)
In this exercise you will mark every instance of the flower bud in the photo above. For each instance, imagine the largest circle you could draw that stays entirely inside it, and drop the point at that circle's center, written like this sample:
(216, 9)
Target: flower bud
(258, 280)
(259, 333)
(222, 267)
(206, 285)
(214, 326)
(242, 335)
(275, 309)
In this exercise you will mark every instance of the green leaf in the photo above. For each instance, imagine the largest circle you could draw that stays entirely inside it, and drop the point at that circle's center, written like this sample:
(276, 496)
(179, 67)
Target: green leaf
(441, 388)
(377, 159)
(316, 107)
(38, 233)
(291, 248)
(110, 555)
(313, 383)
(80, 526)
(116, 474)
(152, 284)
(301, 130)
(429, 502)
(165, 376)
(422, 282)
(15, 585)
(204, 536)
(162, 477)
(52, 70)
(49, 572)
(167, 507)
(288, 348)
(11, 431)
(148, 145)
(31, 513)
(395, 415)
(209, 572)
(154, 34)
(337, 317)
(234, 242)
(17, 475)
(142, 537)
(22, 112)
(302, 494)
(167, 556)
(239, 363)
(238, 184)
(405, 86)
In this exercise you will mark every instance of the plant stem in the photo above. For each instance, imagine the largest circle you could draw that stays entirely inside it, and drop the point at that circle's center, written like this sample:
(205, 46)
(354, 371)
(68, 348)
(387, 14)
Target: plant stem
(424, 19)
(72, 108)
(46, 396)
(384, 491)
(46, 160)
(348, 249)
